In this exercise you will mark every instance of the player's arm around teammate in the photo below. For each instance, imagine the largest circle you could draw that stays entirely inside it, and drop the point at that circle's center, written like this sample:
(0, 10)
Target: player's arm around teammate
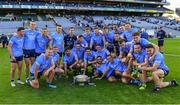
(158, 68)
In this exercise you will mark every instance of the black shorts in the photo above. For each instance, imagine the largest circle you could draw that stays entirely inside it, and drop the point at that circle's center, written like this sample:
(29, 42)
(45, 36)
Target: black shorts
(60, 54)
(20, 58)
(29, 53)
(39, 75)
(160, 42)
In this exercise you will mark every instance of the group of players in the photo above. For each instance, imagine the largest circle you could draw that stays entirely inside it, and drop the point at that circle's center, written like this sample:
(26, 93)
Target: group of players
(124, 56)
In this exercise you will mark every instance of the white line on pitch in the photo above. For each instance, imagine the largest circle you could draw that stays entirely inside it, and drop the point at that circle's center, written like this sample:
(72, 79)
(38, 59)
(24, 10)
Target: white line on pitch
(174, 55)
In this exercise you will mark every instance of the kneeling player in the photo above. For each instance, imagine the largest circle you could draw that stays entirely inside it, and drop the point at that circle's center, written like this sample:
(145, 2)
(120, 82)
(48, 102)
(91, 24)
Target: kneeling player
(158, 68)
(138, 57)
(79, 51)
(121, 70)
(58, 67)
(102, 70)
(89, 60)
(70, 61)
(44, 65)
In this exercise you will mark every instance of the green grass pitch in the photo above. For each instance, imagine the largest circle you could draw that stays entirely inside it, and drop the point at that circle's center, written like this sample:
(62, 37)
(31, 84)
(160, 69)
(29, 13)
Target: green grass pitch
(103, 93)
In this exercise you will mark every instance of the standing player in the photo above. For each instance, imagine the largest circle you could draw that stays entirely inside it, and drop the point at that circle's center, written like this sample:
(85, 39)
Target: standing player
(42, 40)
(16, 54)
(127, 34)
(87, 35)
(44, 65)
(144, 34)
(116, 43)
(97, 38)
(109, 37)
(58, 40)
(161, 34)
(4, 40)
(70, 38)
(29, 47)
(158, 68)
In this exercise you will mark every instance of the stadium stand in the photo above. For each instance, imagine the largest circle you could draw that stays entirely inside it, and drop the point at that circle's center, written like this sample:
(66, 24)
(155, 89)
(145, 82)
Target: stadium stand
(140, 13)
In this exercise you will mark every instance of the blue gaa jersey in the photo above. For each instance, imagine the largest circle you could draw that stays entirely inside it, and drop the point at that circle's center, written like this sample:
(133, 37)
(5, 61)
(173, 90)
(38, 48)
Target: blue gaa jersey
(29, 39)
(58, 40)
(98, 39)
(41, 42)
(69, 60)
(127, 35)
(79, 52)
(102, 68)
(140, 57)
(112, 66)
(109, 37)
(143, 42)
(126, 49)
(121, 67)
(42, 63)
(83, 43)
(17, 45)
(90, 57)
(159, 60)
(103, 53)
(55, 57)
(87, 37)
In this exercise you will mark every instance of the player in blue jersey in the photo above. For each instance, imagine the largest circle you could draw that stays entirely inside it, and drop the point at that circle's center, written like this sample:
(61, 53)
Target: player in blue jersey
(105, 69)
(87, 35)
(97, 38)
(139, 59)
(127, 34)
(43, 65)
(16, 54)
(29, 47)
(58, 40)
(109, 37)
(124, 49)
(70, 61)
(143, 42)
(58, 67)
(120, 69)
(82, 41)
(103, 52)
(158, 68)
(79, 51)
(41, 42)
(89, 59)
